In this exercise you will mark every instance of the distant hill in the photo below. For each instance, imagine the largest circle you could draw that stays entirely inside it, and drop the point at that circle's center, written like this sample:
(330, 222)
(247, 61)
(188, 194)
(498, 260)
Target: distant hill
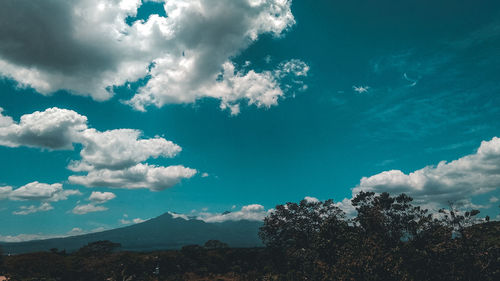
(163, 232)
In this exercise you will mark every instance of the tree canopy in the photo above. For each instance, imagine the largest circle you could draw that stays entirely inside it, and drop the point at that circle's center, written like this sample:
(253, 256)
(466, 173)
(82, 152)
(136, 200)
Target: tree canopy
(390, 238)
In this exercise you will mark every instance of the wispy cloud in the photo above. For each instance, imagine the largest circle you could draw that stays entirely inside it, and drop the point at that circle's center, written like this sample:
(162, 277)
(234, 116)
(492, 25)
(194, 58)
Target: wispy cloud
(412, 81)
(26, 210)
(361, 89)
(126, 220)
(422, 92)
(88, 208)
(40, 236)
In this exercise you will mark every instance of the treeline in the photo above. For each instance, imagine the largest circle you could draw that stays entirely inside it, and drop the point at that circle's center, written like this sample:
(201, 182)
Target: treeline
(101, 261)
(390, 239)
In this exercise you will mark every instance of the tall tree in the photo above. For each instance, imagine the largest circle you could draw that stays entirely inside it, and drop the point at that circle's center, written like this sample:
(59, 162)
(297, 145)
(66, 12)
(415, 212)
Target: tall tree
(292, 234)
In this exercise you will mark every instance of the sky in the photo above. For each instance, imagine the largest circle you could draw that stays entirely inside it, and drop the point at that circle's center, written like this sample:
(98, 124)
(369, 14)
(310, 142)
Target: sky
(117, 111)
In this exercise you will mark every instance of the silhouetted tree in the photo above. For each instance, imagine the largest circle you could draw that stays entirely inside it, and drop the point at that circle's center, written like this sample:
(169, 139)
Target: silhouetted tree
(215, 244)
(98, 248)
(292, 233)
(389, 239)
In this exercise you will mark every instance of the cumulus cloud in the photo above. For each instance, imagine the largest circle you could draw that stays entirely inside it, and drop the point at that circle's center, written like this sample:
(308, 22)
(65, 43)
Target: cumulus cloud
(152, 177)
(53, 128)
(101, 197)
(311, 199)
(57, 128)
(110, 158)
(346, 206)
(26, 210)
(456, 181)
(88, 208)
(86, 47)
(96, 198)
(116, 149)
(253, 212)
(37, 191)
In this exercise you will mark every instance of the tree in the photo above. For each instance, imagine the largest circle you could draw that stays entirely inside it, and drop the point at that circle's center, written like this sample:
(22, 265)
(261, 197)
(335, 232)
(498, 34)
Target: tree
(98, 248)
(392, 219)
(292, 233)
(215, 244)
(389, 239)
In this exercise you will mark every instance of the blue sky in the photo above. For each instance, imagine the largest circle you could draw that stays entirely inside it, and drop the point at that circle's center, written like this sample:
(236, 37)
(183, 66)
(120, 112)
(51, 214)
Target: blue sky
(270, 101)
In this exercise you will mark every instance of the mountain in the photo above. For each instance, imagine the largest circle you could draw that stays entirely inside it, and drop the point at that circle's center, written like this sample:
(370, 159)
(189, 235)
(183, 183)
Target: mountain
(160, 233)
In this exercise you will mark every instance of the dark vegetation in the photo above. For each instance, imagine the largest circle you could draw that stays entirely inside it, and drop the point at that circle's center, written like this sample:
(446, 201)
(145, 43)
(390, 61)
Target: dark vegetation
(389, 239)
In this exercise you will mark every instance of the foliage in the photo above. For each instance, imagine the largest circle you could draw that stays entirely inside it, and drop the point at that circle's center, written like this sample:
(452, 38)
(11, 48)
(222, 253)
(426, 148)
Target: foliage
(215, 244)
(98, 248)
(389, 239)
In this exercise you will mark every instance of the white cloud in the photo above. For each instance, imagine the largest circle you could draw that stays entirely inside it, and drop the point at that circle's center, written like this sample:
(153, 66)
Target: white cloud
(360, 89)
(253, 212)
(53, 128)
(116, 149)
(99, 229)
(457, 181)
(96, 198)
(88, 208)
(26, 237)
(101, 197)
(134, 221)
(5, 192)
(346, 206)
(57, 128)
(493, 199)
(125, 220)
(111, 157)
(204, 175)
(311, 199)
(87, 48)
(75, 231)
(41, 236)
(26, 210)
(182, 216)
(139, 176)
(138, 220)
(37, 191)
(261, 89)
